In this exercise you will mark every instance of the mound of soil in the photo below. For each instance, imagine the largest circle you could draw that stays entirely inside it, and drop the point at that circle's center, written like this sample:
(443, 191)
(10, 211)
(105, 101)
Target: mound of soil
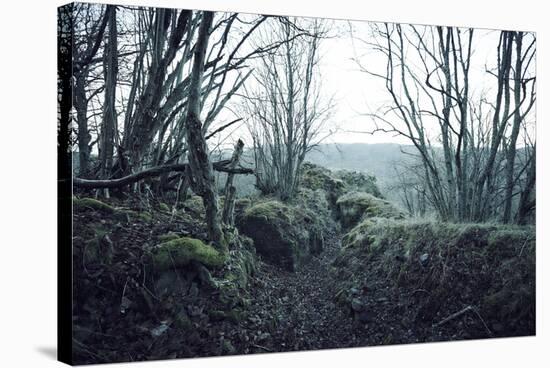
(438, 281)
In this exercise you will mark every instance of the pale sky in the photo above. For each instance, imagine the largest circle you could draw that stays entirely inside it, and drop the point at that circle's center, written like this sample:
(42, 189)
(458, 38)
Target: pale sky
(357, 93)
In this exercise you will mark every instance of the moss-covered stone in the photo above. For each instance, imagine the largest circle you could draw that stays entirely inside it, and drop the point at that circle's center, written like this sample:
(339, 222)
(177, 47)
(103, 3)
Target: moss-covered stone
(181, 252)
(354, 206)
(359, 182)
(283, 234)
(315, 177)
(241, 264)
(194, 204)
(93, 204)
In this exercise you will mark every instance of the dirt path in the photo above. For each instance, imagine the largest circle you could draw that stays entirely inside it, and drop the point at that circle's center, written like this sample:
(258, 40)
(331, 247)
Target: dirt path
(297, 311)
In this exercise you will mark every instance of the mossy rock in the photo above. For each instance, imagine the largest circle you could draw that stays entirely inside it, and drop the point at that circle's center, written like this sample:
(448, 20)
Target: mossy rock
(283, 234)
(93, 204)
(315, 204)
(315, 177)
(355, 206)
(359, 182)
(182, 251)
(194, 204)
(241, 264)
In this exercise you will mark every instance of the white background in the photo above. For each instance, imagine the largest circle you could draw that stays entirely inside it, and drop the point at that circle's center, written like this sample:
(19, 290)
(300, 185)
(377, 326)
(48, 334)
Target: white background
(28, 182)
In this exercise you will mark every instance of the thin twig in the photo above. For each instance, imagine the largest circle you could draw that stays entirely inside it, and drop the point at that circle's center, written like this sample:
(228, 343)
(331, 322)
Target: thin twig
(453, 316)
(262, 347)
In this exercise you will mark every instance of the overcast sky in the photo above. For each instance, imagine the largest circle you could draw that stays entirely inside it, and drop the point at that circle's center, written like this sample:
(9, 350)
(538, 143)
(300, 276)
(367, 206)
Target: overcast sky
(357, 93)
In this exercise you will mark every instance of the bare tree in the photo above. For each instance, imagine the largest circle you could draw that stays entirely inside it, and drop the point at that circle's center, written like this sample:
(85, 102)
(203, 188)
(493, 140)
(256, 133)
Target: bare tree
(199, 161)
(427, 78)
(109, 110)
(285, 105)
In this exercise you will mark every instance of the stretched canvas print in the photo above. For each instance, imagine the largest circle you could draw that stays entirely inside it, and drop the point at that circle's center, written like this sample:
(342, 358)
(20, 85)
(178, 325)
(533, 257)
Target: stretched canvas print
(239, 184)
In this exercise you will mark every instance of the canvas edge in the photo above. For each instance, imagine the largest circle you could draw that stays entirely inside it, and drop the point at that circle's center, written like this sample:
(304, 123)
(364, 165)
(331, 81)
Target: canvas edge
(64, 189)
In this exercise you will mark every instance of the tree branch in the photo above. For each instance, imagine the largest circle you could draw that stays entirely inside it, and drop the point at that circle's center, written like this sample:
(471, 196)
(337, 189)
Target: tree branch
(223, 166)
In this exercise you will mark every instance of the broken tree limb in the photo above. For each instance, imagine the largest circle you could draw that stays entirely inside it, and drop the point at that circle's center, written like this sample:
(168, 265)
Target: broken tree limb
(222, 128)
(453, 316)
(227, 213)
(460, 313)
(222, 166)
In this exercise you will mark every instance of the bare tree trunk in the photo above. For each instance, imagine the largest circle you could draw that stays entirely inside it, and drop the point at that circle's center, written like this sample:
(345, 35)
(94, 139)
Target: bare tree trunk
(511, 154)
(84, 137)
(526, 202)
(199, 160)
(109, 112)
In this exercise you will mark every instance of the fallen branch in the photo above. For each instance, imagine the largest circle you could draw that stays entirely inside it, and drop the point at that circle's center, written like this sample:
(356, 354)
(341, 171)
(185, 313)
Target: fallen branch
(453, 316)
(262, 347)
(459, 313)
(223, 166)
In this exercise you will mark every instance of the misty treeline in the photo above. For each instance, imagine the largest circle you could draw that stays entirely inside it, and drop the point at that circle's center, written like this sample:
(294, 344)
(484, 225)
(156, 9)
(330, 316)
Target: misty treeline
(473, 130)
(151, 87)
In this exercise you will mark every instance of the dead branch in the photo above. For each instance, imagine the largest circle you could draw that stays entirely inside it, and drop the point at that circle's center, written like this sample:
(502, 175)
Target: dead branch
(222, 166)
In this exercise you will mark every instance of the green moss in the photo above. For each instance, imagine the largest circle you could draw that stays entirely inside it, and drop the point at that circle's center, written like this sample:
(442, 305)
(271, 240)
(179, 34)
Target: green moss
(194, 204)
(145, 216)
(242, 264)
(270, 210)
(354, 206)
(359, 182)
(243, 203)
(510, 242)
(94, 204)
(164, 207)
(282, 233)
(316, 177)
(487, 265)
(167, 237)
(180, 252)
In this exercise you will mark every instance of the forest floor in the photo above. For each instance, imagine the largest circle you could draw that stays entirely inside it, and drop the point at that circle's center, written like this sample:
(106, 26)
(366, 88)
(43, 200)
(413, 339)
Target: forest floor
(286, 311)
(299, 310)
(114, 320)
